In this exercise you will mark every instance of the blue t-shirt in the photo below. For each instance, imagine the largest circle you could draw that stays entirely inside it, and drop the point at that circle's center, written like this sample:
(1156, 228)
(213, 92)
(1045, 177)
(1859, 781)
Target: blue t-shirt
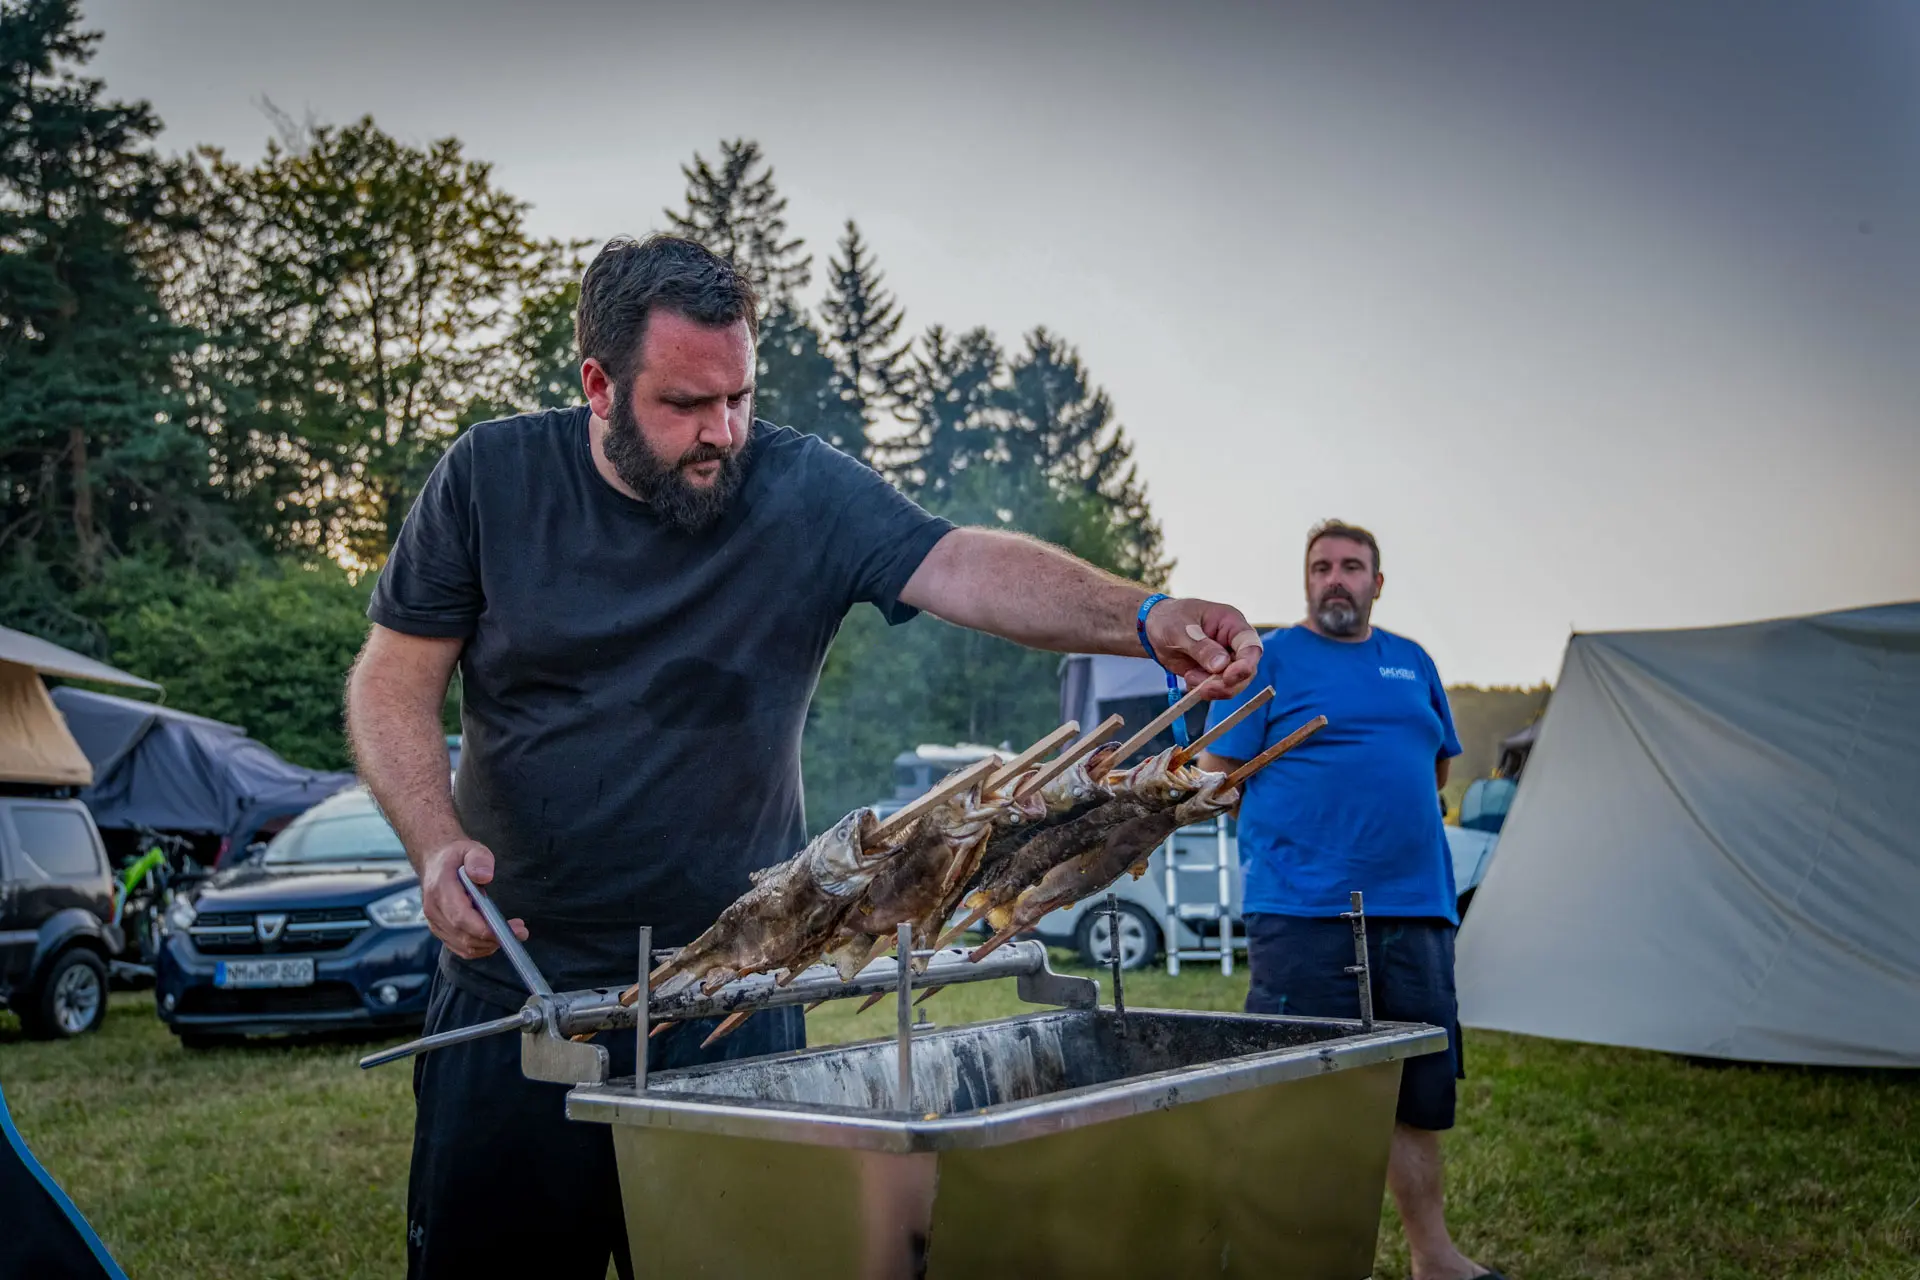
(1354, 806)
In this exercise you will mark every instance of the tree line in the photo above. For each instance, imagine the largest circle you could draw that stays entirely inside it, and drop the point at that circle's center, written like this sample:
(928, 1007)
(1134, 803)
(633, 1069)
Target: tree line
(223, 382)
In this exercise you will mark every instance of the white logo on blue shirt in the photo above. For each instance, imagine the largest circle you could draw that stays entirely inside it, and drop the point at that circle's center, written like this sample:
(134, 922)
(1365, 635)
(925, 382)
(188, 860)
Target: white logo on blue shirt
(1398, 673)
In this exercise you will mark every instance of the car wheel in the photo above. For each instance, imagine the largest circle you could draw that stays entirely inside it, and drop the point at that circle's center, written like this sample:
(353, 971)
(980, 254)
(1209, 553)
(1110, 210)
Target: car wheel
(72, 1000)
(1139, 938)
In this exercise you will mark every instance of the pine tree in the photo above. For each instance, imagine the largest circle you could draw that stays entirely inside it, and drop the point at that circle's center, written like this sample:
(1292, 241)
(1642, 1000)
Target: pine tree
(953, 405)
(94, 459)
(798, 386)
(735, 210)
(862, 322)
(1063, 426)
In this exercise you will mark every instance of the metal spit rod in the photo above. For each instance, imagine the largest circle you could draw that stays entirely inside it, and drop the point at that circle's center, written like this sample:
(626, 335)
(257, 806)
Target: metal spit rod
(1363, 978)
(527, 1018)
(903, 1084)
(596, 1009)
(516, 954)
(640, 1013)
(1113, 958)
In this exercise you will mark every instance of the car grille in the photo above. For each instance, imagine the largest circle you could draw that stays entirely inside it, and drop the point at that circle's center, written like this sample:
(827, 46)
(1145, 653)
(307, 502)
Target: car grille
(321, 997)
(233, 933)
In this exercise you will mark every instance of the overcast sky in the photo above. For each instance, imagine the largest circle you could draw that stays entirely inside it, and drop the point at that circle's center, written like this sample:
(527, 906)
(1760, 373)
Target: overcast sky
(1600, 315)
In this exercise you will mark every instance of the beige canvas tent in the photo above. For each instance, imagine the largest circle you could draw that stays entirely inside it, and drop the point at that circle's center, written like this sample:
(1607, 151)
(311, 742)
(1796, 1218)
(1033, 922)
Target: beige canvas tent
(35, 745)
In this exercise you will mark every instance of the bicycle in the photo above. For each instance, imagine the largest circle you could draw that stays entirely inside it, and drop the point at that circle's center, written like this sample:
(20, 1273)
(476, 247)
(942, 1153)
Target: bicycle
(147, 887)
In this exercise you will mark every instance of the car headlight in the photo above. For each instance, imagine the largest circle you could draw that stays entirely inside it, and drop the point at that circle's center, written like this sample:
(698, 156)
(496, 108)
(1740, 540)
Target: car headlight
(180, 915)
(398, 910)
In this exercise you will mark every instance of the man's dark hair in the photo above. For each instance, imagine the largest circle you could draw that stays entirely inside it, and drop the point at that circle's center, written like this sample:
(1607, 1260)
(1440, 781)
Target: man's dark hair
(1341, 529)
(628, 280)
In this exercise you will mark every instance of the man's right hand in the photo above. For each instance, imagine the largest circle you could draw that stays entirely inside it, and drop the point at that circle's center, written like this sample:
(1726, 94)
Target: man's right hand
(450, 912)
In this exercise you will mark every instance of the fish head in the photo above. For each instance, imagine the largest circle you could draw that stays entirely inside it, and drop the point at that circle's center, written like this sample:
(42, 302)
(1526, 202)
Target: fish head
(1154, 780)
(1211, 796)
(1084, 779)
(841, 859)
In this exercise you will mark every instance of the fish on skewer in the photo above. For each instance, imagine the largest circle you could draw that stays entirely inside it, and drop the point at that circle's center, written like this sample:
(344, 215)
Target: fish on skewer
(1157, 789)
(791, 906)
(911, 887)
(1068, 796)
(1151, 784)
(1127, 847)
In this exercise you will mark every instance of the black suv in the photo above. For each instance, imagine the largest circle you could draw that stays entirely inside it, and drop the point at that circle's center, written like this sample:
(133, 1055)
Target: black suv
(56, 904)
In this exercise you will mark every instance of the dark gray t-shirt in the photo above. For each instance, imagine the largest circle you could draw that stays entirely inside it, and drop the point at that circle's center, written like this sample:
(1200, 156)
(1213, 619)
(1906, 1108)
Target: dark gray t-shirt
(633, 695)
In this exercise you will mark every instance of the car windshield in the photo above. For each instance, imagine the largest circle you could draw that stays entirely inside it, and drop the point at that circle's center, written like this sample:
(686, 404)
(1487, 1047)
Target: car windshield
(351, 836)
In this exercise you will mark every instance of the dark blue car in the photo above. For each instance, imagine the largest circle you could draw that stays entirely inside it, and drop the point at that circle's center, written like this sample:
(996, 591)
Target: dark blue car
(322, 931)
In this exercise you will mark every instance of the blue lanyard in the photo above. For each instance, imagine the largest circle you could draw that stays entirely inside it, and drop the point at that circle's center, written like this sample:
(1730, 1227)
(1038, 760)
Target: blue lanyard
(1174, 692)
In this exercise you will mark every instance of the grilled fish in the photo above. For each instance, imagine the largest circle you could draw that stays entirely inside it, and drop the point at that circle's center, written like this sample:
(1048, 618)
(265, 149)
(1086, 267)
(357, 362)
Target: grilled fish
(793, 908)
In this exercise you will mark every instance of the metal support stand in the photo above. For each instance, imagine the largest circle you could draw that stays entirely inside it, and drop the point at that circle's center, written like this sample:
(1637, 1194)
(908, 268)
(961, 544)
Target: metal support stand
(1363, 977)
(903, 1086)
(1113, 958)
(640, 1013)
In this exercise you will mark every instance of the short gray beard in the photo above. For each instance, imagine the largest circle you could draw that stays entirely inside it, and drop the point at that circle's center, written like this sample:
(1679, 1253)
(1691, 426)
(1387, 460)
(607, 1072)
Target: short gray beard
(1338, 617)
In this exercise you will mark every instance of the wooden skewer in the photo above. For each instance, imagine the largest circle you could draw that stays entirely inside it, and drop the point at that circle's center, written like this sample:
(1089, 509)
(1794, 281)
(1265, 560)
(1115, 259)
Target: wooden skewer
(994, 943)
(951, 787)
(927, 995)
(729, 1026)
(1065, 760)
(1277, 750)
(962, 927)
(659, 1027)
(1012, 769)
(1193, 749)
(1159, 722)
(871, 1001)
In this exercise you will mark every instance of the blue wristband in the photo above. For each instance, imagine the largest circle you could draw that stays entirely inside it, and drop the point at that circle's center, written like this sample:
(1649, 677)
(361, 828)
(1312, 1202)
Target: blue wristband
(1140, 622)
(1173, 681)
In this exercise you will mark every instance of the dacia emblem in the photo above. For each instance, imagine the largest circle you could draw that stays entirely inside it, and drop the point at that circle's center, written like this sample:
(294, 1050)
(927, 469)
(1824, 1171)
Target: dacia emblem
(270, 925)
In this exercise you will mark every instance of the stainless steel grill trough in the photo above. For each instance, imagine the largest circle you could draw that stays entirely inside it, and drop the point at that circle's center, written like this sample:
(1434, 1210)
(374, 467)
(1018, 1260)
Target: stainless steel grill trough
(1061, 1143)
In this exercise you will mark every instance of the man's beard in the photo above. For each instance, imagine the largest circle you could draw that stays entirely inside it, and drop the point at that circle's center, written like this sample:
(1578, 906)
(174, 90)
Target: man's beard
(664, 485)
(1339, 614)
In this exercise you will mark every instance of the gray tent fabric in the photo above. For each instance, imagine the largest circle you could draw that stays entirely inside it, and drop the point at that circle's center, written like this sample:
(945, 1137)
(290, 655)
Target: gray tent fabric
(157, 767)
(50, 659)
(1716, 848)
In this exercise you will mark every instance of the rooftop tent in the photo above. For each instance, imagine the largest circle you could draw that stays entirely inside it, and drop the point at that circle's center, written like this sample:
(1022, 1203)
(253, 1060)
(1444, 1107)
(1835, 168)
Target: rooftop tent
(157, 767)
(35, 746)
(1716, 850)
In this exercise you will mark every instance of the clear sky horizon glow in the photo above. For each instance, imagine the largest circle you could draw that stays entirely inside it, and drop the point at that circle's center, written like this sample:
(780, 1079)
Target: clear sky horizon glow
(1601, 317)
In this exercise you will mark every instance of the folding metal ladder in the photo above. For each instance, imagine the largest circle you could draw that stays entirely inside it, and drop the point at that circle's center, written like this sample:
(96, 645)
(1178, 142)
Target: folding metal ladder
(1203, 849)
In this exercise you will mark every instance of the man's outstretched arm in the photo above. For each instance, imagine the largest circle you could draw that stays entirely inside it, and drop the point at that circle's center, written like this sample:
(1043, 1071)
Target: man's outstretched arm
(1035, 594)
(394, 695)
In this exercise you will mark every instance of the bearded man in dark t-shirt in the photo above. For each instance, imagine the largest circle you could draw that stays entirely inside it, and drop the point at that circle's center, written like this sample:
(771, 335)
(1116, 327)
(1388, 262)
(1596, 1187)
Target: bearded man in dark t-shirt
(639, 595)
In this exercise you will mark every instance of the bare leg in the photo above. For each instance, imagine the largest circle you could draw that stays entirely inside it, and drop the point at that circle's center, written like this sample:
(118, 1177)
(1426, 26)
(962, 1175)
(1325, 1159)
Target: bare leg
(1414, 1175)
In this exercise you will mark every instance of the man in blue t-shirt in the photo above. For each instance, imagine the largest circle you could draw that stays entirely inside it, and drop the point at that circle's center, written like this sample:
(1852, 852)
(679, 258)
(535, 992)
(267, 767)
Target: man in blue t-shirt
(1354, 807)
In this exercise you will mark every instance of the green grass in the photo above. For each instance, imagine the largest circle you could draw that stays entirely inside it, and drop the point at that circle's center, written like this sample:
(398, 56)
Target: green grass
(1570, 1161)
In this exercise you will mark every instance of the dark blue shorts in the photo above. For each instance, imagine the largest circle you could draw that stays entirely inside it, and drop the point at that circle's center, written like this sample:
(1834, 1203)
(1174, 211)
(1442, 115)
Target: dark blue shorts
(1299, 966)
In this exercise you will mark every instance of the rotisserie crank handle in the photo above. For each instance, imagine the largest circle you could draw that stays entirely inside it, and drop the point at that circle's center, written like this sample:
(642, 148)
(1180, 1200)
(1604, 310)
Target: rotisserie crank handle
(520, 1021)
(510, 945)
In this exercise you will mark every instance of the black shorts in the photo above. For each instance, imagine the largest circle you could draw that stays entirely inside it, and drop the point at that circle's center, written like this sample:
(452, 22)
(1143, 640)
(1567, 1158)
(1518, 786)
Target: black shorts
(502, 1182)
(1299, 966)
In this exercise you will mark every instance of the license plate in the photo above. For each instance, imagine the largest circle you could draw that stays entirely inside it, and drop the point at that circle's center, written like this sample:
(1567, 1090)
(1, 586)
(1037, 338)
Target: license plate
(264, 973)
